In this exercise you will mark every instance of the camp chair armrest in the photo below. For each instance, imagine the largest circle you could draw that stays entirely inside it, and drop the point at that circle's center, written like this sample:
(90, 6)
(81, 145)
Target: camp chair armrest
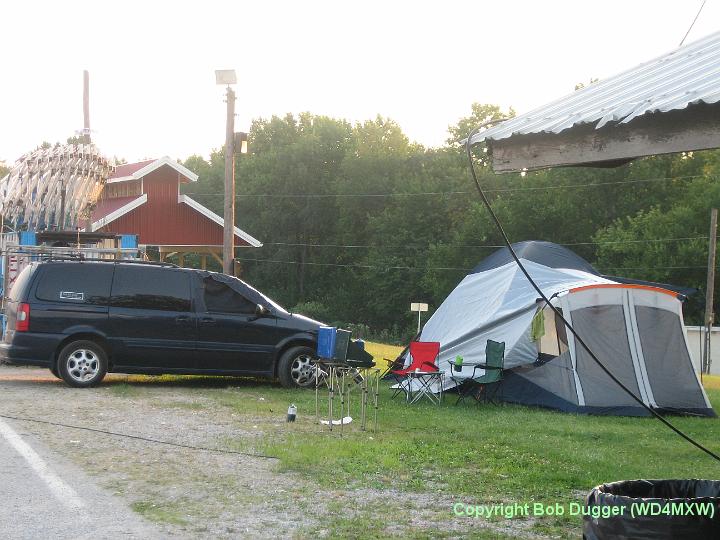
(431, 368)
(394, 363)
(484, 367)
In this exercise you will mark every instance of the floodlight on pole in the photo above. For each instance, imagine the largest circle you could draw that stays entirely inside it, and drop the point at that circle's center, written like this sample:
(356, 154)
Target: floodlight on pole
(225, 76)
(228, 77)
(241, 143)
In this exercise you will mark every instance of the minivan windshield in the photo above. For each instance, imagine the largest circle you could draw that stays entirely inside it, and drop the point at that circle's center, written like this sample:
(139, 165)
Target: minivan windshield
(244, 288)
(268, 302)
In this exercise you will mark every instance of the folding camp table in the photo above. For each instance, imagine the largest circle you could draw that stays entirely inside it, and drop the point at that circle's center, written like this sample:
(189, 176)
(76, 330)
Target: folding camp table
(342, 378)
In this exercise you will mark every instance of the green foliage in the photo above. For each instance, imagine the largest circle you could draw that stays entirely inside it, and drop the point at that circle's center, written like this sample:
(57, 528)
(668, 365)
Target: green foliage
(686, 217)
(481, 114)
(357, 221)
(314, 310)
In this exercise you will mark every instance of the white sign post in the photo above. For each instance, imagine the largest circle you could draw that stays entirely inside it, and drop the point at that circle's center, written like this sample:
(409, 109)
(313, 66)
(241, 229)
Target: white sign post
(417, 306)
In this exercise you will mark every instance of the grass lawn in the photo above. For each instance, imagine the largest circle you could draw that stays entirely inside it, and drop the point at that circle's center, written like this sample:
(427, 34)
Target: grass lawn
(443, 455)
(482, 454)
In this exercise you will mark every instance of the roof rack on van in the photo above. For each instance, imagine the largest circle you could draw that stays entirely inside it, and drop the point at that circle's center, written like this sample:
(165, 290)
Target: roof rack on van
(79, 257)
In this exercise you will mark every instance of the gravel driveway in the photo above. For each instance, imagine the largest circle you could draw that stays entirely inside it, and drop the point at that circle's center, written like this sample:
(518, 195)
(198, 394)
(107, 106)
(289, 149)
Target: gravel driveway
(195, 494)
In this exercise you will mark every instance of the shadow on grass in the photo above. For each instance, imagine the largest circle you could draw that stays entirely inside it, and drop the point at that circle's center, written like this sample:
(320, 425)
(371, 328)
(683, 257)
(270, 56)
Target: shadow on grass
(22, 376)
(188, 381)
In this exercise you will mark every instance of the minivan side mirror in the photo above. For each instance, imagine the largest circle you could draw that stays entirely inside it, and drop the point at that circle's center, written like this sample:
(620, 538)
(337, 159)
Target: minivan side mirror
(262, 311)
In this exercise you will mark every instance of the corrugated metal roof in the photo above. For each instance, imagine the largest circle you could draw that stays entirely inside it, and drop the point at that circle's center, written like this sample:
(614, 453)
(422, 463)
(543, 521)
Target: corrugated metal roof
(687, 75)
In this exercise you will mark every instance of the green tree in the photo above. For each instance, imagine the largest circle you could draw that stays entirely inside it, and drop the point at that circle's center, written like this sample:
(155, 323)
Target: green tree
(480, 114)
(668, 241)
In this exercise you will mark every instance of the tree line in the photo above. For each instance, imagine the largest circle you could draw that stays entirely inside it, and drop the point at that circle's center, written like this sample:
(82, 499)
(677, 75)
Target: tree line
(357, 221)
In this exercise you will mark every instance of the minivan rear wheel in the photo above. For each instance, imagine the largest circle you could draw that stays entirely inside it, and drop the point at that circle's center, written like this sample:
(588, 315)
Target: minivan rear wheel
(297, 368)
(82, 363)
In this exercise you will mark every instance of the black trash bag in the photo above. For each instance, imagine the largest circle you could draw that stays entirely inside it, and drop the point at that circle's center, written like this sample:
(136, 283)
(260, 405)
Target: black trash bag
(653, 509)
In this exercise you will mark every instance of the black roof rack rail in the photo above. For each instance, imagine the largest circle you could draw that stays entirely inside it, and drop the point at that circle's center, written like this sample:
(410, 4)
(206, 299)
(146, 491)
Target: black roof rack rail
(80, 257)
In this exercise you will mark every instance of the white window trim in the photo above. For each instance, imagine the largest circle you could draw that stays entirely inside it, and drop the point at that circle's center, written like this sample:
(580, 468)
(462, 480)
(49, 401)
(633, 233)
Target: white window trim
(112, 216)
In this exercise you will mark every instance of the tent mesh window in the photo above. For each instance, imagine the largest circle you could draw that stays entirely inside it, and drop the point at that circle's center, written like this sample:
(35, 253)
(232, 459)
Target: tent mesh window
(669, 367)
(603, 328)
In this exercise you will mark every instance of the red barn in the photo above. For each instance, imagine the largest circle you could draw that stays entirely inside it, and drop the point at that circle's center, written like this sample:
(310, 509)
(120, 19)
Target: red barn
(144, 198)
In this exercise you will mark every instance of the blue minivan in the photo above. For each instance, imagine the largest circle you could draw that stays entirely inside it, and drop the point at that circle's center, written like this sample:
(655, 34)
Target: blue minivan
(83, 319)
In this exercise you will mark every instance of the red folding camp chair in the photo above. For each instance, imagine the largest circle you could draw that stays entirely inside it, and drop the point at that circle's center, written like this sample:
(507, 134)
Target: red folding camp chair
(423, 355)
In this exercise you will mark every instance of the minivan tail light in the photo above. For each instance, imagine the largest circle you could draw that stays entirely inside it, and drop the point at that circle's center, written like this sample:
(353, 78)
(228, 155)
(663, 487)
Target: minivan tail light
(22, 323)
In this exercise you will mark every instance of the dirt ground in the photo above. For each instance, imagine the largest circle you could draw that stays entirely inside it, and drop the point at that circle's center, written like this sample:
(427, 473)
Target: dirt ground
(191, 493)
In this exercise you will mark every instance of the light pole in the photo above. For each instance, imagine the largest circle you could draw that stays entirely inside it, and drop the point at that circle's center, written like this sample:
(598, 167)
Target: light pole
(227, 76)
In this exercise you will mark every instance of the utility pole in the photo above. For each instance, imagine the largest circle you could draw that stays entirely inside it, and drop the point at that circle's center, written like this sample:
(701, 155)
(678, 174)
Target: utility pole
(229, 221)
(710, 290)
(86, 107)
(85, 140)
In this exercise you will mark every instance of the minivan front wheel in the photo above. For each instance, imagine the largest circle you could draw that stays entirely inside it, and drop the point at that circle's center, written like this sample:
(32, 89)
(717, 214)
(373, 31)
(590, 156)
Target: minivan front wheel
(82, 363)
(297, 368)
(55, 372)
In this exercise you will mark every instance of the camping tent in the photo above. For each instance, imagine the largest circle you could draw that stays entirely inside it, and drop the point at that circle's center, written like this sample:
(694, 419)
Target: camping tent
(636, 330)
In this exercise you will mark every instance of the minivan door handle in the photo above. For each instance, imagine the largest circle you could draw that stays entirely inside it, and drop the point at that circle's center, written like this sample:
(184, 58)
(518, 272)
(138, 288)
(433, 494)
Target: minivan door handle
(182, 319)
(207, 321)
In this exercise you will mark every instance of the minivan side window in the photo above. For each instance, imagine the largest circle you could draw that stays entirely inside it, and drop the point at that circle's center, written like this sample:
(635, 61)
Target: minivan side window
(146, 287)
(219, 298)
(75, 283)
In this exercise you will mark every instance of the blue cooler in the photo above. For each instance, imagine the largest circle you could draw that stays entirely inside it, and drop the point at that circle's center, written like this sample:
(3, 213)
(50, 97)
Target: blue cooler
(327, 336)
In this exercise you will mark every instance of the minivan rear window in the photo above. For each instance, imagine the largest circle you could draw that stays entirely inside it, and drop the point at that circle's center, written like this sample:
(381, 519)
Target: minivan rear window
(144, 287)
(18, 288)
(76, 283)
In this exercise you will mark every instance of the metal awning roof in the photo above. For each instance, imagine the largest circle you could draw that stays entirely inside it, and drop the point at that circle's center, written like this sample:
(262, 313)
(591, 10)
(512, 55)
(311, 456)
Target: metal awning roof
(688, 75)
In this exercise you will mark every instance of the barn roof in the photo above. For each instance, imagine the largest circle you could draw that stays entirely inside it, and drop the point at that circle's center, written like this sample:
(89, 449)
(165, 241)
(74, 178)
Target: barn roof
(109, 210)
(135, 171)
(685, 76)
(127, 169)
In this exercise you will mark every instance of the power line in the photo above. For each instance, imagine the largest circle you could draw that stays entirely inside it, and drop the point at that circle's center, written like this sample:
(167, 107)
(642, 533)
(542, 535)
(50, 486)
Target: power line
(363, 266)
(439, 193)
(138, 437)
(638, 241)
(424, 268)
(652, 267)
(692, 23)
(466, 246)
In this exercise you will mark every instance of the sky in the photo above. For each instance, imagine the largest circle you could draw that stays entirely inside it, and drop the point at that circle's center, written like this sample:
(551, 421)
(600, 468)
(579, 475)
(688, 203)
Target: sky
(422, 64)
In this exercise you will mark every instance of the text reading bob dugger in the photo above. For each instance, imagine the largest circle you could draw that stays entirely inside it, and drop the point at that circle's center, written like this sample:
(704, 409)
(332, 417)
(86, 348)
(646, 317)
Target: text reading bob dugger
(513, 510)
